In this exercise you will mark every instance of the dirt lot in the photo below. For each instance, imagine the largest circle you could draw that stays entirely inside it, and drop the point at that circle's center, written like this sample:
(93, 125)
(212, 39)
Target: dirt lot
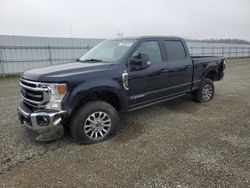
(174, 144)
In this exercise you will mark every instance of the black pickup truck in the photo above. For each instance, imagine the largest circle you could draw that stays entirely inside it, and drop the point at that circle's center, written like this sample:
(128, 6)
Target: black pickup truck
(117, 75)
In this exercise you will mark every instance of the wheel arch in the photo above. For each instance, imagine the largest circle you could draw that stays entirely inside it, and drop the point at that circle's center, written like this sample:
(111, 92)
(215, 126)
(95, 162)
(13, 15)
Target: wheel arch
(107, 90)
(211, 71)
(211, 74)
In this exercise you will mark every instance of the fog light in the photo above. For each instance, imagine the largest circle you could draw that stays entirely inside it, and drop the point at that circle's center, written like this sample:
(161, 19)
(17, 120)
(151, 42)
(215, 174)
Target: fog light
(42, 120)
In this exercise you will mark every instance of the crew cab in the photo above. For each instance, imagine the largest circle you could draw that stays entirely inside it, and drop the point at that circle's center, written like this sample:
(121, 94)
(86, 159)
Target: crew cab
(116, 76)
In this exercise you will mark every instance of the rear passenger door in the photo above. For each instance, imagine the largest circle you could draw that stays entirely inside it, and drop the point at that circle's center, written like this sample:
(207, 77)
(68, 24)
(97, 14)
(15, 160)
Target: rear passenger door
(179, 67)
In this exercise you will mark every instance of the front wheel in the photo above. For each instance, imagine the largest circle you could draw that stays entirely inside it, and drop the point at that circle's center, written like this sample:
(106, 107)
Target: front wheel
(94, 122)
(206, 91)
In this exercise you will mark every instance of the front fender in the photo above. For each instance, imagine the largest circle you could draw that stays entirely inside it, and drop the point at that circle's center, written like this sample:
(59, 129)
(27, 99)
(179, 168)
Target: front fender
(91, 86)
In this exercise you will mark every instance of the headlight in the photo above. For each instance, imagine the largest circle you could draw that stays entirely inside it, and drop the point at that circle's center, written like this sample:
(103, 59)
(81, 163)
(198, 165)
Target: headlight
(56, 94)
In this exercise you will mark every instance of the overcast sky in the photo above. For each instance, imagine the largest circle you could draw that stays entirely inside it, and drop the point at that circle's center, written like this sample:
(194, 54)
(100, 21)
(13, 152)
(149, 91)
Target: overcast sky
(196, 19)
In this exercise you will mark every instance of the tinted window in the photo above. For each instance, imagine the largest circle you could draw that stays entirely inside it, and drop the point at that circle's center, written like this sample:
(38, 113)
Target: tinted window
(175, 50)
(152, 49)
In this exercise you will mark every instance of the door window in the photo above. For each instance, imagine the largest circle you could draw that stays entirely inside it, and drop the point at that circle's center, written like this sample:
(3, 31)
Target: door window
(152, 49)
(175, 50)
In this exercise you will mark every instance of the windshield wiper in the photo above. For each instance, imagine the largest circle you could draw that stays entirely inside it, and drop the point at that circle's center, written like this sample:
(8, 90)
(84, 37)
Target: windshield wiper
(92, 59)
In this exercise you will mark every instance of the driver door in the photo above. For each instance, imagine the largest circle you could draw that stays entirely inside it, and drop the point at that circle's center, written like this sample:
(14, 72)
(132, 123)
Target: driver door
(148, 84)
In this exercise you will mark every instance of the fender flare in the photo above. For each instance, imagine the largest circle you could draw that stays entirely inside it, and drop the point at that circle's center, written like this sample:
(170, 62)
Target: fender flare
(92, 86)
(210, 67)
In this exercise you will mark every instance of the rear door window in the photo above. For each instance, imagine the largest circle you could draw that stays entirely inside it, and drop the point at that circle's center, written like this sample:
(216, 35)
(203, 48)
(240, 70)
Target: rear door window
(174, 50)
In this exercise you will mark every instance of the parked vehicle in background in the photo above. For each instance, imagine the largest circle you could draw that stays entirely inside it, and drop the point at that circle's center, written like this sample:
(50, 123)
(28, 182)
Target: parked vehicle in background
(116, 76)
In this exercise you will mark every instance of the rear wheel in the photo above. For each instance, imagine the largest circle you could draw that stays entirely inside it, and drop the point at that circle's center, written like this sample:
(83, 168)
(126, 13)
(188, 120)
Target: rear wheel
(206, 91)
(94, 122)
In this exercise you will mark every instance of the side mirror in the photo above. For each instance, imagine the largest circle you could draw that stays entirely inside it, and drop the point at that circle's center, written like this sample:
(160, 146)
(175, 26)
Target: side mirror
(139, 62)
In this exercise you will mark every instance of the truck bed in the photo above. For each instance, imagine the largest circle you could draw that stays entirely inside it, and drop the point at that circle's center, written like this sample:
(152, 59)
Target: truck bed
(204, 61)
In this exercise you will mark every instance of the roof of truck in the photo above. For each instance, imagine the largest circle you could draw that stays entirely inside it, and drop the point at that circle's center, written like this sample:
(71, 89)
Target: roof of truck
(147, 37)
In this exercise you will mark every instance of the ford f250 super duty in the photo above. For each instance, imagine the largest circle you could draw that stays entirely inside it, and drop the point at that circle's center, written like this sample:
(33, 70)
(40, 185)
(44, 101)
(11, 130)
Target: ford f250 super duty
(115, 76)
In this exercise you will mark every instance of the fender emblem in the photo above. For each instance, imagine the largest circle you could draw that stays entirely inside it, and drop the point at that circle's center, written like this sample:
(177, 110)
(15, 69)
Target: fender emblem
(125, 80)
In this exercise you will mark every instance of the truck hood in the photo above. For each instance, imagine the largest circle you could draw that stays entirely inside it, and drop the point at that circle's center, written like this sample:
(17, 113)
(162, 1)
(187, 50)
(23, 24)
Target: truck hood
(60, 73)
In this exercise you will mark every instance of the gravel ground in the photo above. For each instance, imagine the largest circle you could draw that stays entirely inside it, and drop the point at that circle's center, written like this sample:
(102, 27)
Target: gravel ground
(174, 144)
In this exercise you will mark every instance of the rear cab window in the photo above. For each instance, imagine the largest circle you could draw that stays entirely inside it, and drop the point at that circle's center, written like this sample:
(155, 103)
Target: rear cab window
(174, 50)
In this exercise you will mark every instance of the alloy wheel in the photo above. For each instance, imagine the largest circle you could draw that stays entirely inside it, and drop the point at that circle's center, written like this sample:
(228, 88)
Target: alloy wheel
(207, 92)
(97, 125)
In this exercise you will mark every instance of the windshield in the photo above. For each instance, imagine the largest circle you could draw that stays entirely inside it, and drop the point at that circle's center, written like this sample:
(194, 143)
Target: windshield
(109, 50)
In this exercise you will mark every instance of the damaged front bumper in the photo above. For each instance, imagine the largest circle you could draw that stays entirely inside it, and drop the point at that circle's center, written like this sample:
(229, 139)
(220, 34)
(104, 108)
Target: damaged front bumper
(42, 125)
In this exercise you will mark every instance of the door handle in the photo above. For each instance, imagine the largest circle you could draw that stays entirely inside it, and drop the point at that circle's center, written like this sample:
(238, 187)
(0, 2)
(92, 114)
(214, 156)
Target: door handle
(188, 67)
(163, 70)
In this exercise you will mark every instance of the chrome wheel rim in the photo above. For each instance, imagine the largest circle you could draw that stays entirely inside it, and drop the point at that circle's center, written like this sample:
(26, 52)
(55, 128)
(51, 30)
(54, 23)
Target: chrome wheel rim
(97, 125)
(207, 92)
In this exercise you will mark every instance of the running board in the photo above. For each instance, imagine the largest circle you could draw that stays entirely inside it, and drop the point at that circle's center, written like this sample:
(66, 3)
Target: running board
(155, 102)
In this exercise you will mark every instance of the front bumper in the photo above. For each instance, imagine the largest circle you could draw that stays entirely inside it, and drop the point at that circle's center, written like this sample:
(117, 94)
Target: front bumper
(41, 125)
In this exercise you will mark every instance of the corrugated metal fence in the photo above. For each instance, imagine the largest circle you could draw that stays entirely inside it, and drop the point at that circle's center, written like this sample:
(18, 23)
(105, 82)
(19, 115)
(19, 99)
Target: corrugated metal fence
(228, 52)
(19, 53)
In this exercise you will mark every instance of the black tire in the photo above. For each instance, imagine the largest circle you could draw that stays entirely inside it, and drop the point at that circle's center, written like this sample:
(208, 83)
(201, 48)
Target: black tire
(83, 116)
(200, 95)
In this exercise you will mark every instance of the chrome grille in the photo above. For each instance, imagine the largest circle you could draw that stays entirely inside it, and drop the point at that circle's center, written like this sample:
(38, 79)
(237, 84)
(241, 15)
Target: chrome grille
(34, 93)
